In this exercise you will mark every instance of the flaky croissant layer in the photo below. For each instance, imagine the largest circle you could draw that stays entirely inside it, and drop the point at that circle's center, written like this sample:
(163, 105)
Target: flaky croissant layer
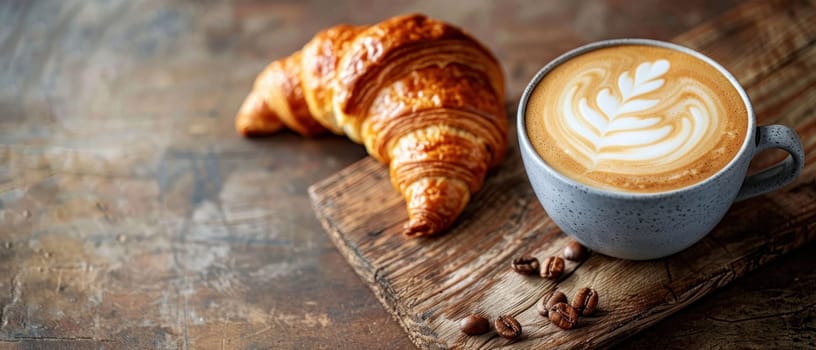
(421, 95)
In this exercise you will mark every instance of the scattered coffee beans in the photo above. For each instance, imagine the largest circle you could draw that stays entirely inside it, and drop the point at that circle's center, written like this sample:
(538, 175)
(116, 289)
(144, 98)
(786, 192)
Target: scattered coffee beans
(574, 251)
(525, 265)
(552, 267)
(585, 301)
(554, 306)
(508, 327)
(563, 315)
(546, 302)
(474, 325)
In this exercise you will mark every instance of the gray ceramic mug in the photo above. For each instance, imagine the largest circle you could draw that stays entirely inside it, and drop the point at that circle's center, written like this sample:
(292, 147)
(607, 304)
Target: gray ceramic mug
(654, 225)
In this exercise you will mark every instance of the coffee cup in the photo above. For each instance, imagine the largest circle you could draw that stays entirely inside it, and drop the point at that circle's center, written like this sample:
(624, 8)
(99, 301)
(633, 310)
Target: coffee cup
(637, 148)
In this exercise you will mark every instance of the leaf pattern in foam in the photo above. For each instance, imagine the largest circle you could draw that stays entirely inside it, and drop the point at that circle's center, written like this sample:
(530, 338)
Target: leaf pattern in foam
(647, 79)
(612, 123)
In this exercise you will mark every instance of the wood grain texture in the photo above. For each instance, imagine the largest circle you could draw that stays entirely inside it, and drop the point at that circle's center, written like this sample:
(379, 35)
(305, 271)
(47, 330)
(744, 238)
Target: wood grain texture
(769, 309)
(429, 284)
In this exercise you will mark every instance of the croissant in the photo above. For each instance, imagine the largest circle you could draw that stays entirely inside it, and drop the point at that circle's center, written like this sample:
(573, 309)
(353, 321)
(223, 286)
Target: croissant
(423, 97)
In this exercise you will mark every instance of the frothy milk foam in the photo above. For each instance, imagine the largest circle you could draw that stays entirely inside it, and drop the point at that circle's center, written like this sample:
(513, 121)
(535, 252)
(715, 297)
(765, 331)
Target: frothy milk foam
(636, 118)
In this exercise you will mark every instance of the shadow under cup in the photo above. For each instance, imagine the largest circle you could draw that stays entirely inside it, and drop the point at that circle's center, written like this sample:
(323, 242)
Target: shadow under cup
(643, 226)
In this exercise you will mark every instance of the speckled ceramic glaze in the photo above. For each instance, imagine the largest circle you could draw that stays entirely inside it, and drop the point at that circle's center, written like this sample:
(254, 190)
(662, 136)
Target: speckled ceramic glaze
(649, 226)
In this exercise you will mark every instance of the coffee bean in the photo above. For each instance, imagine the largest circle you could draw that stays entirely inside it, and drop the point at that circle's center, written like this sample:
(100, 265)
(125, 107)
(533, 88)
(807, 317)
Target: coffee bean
(541, 305)
(474, 325)
(552, 267)
(508, 327)
(585, 301)
(563, 315)
(525, 265)
(546, 302)
(574, 251)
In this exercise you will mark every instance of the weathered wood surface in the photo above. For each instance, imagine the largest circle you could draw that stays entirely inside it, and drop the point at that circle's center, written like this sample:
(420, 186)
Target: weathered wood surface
(131, 216)
(773, 308)
(429, 284)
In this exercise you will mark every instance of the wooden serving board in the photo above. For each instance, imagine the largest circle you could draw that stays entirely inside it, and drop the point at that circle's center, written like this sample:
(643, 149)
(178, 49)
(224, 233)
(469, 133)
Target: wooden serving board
(429, 284)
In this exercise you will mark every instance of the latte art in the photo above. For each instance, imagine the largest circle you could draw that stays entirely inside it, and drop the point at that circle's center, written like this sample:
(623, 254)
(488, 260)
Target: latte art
(622, 127)
(636, 118)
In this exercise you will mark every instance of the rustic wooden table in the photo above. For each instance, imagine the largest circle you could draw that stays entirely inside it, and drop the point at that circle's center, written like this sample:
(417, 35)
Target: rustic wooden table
(132, 216)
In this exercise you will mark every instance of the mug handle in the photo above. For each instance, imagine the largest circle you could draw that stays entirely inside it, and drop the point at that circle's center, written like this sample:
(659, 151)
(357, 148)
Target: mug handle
(774, 136)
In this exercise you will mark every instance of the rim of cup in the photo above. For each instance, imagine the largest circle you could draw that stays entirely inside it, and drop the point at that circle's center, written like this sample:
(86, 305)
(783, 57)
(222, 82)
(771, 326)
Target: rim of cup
(528, 90)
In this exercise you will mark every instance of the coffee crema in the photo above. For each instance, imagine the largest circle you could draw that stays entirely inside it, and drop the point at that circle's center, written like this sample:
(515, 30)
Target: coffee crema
(636, 118)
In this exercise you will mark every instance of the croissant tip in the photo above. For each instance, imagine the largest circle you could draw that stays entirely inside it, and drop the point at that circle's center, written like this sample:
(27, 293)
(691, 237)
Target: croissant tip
(418, 228)
(243, 131)
(250, 133)
(250, 126)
